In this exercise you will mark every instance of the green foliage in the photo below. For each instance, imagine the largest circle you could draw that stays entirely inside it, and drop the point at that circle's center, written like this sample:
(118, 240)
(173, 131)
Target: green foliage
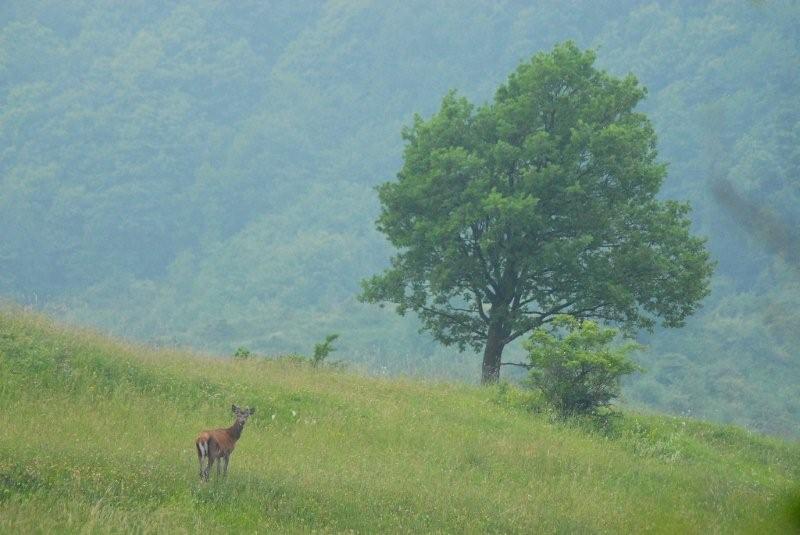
(539, 203)
(323, 349)
(319, 358)
(576, 367)
(242, 353)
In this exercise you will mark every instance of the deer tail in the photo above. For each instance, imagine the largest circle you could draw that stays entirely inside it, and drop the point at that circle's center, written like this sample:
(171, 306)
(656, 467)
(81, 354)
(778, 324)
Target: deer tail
(202, 448)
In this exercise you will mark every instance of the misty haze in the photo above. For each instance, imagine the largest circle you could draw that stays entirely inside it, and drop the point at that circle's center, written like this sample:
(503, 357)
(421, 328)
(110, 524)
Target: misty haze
(238, 199)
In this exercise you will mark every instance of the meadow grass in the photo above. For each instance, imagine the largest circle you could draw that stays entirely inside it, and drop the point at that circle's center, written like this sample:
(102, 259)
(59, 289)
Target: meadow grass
(98, 436)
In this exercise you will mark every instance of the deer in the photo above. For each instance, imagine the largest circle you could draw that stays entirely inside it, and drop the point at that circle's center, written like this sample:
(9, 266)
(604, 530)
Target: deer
(217, 444)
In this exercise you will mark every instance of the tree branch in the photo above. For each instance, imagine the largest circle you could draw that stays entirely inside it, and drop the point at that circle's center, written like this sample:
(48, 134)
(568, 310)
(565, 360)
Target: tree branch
(479, 304)
(520, 364)
(543, 318)
(455, 319)
(476, 250)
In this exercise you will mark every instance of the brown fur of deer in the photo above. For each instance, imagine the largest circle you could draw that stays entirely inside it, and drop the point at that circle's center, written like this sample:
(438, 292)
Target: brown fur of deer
(217, 444)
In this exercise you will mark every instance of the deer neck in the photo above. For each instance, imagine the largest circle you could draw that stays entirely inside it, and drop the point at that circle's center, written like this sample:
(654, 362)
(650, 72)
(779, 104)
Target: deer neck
(235, 431)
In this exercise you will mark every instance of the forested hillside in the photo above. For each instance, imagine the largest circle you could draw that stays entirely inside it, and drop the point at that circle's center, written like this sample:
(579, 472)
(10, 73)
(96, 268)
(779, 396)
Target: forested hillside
(203, 173)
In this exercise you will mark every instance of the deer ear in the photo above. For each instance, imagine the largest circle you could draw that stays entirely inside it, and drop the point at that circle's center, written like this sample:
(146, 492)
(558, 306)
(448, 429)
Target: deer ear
(252, 411)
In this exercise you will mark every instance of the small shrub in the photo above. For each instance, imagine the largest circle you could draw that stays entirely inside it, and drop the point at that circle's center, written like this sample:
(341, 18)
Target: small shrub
(576, 367)
(242, 353)
(323, 349)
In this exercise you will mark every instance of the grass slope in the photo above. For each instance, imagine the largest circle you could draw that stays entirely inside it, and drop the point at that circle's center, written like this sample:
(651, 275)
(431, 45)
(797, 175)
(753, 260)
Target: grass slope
(98, 437)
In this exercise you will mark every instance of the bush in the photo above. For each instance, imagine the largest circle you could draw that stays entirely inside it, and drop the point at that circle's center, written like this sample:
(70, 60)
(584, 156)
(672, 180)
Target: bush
(321, 352)
(576, 367)
(323, 349)
(242, 353)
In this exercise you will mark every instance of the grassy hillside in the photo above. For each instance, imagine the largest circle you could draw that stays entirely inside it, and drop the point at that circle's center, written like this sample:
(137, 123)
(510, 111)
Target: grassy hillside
(98, 436)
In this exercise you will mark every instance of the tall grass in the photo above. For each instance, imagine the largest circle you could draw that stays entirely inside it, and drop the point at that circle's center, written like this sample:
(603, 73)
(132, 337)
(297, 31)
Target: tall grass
(97, 436)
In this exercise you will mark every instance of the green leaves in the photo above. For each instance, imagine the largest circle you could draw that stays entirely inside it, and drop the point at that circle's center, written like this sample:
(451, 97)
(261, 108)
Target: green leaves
(575, 366)
(323, 349)
(539, 203)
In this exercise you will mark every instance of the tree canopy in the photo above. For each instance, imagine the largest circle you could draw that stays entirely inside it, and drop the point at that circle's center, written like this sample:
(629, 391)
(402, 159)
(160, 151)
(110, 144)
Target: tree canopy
(540, 203)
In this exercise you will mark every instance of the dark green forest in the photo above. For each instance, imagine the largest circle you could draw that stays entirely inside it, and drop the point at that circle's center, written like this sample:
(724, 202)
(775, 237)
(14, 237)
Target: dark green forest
(203, 173)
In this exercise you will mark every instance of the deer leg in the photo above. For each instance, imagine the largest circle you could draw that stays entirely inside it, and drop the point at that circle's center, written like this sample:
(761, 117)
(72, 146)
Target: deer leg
(201, 454)
(208, 467)
(219, 467)
(227, 458)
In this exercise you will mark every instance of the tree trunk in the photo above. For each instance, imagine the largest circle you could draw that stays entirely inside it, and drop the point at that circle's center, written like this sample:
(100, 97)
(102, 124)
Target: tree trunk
(492, 355)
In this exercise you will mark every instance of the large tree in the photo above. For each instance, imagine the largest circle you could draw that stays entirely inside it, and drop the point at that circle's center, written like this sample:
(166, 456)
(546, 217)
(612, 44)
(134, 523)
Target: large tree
(539, 203)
